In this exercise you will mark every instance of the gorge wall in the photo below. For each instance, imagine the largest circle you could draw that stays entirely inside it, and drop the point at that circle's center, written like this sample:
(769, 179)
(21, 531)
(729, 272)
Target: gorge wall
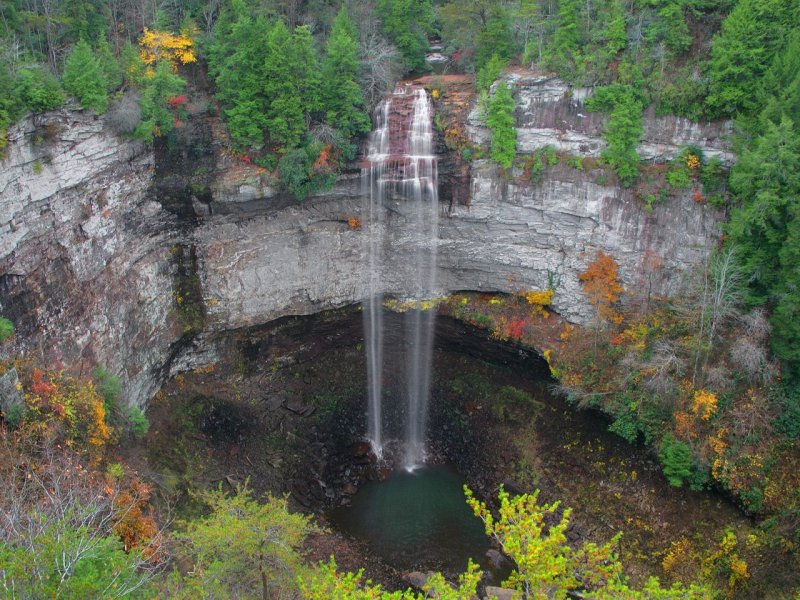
(85, 263)
(88, 236)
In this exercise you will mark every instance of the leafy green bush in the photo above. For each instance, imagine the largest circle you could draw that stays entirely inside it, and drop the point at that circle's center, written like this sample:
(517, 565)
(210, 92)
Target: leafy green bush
(508, 398)
(38, 90)
(109, 387)
(679, 178)
(137, 421)
(472, 385)
(549, 154)
(302, 172)
(6, 329)
(14, 415)
(625, 426)
(489, 73)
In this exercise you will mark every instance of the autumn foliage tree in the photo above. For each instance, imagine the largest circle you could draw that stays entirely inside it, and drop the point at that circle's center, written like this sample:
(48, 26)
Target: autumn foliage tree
(68, 409)
(156, 46)
(601, 284)
(61, 526)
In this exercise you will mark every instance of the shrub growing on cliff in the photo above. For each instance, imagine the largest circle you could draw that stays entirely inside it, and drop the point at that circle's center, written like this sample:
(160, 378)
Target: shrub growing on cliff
(489, 72)
(84, 78)
(37, 90)
(623, 129)
(157, 118)
(500, 120)
(6, 329)
(307, 170)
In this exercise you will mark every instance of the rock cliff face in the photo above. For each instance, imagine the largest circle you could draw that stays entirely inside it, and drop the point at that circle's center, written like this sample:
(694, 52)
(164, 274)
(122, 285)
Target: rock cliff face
(85, 269)
(88, 251)
(515, 235)
(551, 112)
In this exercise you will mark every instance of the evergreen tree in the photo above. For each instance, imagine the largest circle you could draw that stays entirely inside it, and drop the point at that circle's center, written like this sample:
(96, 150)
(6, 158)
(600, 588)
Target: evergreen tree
(766, 180)
(564, 51)
(624, 128)
(780, 93)
(305, 65)
(37, 90)
(500, 120)
(489, 73)
(84, 78)
(742, 51)
(786, 316)
(240, 81)
(109, 64)
(766, 229)
(673, 28)
(342, 98)
(157, 119)
(284, 113)
(495, 38)
(407, 24)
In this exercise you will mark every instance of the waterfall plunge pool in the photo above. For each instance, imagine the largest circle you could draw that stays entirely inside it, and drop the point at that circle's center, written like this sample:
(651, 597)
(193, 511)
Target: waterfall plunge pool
(416, 520)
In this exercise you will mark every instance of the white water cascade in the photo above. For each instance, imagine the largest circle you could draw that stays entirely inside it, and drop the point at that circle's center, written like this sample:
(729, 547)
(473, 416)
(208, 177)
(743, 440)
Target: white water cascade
(401, 164)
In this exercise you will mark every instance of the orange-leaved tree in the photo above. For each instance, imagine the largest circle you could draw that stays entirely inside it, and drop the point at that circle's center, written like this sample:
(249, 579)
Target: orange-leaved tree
(602, 286)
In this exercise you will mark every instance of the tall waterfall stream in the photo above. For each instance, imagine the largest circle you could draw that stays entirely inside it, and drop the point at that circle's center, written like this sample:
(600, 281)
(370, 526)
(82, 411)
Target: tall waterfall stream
(401, 166)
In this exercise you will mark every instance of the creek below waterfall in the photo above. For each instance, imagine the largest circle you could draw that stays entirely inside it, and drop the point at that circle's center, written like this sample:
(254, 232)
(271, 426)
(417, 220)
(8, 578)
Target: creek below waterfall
(284, 407)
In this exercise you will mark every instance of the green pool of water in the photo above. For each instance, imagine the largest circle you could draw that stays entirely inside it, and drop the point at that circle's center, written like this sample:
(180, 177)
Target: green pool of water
(416, 520)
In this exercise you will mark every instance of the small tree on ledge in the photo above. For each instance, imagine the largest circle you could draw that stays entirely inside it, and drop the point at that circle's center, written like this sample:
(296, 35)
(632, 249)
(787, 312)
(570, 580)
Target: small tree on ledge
(601, 284)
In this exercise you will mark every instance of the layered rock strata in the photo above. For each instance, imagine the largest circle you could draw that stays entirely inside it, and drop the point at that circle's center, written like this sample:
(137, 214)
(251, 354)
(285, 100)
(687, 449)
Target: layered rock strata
(85, 262)
(91, 260)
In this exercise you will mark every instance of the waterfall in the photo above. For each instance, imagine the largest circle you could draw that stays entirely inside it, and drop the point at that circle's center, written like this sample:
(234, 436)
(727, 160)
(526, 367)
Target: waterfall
(374, 184)
(401, 161)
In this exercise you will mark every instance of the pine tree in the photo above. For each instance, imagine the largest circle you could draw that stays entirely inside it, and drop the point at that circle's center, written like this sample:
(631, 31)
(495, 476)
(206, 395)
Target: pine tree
(564, 50)
(305, 64)
(285, 122)
(342, 98)
(500, 120)
(742, 51)
(240, 81)
(766, 180)
(624, 128)
(407, 24)
(495, 38)
(157, 119)
(109, 64)
(84, 78)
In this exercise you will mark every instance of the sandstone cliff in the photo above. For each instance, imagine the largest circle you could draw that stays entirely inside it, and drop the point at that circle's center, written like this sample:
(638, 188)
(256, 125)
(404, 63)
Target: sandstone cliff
(85, 269)
(88, 249)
